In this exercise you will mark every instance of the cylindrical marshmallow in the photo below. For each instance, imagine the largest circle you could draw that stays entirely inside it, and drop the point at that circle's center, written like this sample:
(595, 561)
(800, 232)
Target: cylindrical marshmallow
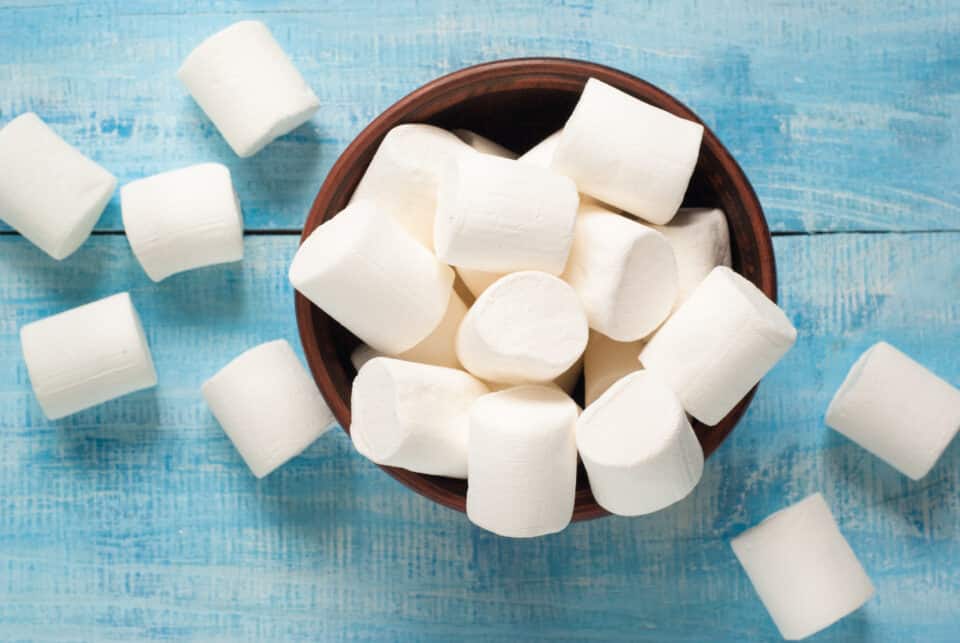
(414, 416)
(605, 361)
(541, 154)
(268, 405)
(477, 280)
(183, 219)
(627, 153)
(803, 568)
(718, 344)
(499, 215)
(403, 176)
(248, 86)
(87, 355)
(49, 192)
(700, 240)
(363, 354)
(640, 453)
(483, 144)
(363, 270)
(897, 410)
(624, 273)
(568, 379)
(522, 461)
(527, 327)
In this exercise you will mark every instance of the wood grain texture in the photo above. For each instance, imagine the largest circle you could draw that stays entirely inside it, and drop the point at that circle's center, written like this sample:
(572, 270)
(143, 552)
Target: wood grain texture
(137, 520)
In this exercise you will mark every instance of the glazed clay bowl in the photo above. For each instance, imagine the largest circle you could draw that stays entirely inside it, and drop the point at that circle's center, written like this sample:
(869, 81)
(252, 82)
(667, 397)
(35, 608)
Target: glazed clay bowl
(517, 103)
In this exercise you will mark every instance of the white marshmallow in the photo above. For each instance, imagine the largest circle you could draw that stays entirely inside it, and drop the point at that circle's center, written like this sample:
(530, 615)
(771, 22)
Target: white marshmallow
(49, 192)
(87, 355)
(605, 361)
(268, 405)
(567, 380)
(625, 152)
(718, 344)
(363, 354)
(403, 176)
(414, 415)
(624, 273)
(541, 154)
(363, 270)
(499, 215)
(701, 241)
(477, 280)
(183, 219)
(897, 410)
(522, 461)
(638, 448)
(526, 327)
(248, 86)
(802, 568)
(483, 144)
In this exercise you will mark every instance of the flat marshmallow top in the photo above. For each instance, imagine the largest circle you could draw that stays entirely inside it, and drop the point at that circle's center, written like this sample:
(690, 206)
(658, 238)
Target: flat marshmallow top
(530, 408)
(767, 311)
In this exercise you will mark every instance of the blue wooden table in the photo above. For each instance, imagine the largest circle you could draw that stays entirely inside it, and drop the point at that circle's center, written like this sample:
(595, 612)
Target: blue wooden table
(138, 520)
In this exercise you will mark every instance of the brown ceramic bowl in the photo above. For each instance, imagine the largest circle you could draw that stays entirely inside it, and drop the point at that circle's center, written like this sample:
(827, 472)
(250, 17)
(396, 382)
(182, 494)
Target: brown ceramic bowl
(517, 103)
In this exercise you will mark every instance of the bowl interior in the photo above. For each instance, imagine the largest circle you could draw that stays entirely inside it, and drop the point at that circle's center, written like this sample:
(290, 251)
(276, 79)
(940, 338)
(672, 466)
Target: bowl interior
(517, 103)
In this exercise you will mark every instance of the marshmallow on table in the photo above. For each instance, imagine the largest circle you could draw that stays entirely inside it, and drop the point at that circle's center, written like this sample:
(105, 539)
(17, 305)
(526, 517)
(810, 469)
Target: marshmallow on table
(802, 568)
(526, 327)
(87, 355)
(403, 176)
(605, 361)
(183, 219)
(413, 415)
(483, 144)
(376, 280)
(896, 409)
(541, 154)
(248, 86)
(718, 344)
(477, 280)
(49, 192)
(624, 273)
(522, 461)
(701, 241)
(640, 453)
(268, 405)
(499, 215)
(627, 153)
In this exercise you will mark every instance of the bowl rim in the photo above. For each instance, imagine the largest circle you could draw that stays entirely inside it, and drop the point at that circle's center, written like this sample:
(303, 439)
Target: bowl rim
(568, 70)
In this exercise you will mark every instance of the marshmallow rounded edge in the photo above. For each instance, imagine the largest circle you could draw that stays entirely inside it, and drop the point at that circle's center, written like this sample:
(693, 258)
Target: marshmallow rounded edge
(483, 144)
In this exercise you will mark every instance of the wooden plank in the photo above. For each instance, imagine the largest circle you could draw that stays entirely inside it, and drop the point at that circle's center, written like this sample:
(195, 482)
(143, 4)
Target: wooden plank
(137, 520)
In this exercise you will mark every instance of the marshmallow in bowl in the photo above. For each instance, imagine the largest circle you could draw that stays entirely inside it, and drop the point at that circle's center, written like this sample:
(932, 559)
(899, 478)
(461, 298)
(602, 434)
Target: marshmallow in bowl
(639, 450)
(245, 83)
(413, 415)
(87, 355)
(363, 354)
(49, 192)
(803, 569)
(498, 215)
(477, 280)
(541, 154)
(623, 271)
(700, 240)
(483, 144)
(605, 361)
(183, 219)
(627, 153)
(403, 176)
(522, 461)
(526, 327)
(897, 410)
(268, 405)
(718, 344)
(377, 281)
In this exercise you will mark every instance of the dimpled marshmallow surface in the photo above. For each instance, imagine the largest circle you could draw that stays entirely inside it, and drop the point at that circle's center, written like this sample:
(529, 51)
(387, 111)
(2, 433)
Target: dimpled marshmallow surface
(413, 415)
(483, 144)
(627, 153)
(605, 361)
(248, 86)
(498, 215)
(363, 269)
(718, 344)
(87, 355)
(701, 241)
(897, 410)
(527, 327)
(49, 192)
(183, 219)
(268, 405)
(802, 568)
(522, 461)
(639, 450)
